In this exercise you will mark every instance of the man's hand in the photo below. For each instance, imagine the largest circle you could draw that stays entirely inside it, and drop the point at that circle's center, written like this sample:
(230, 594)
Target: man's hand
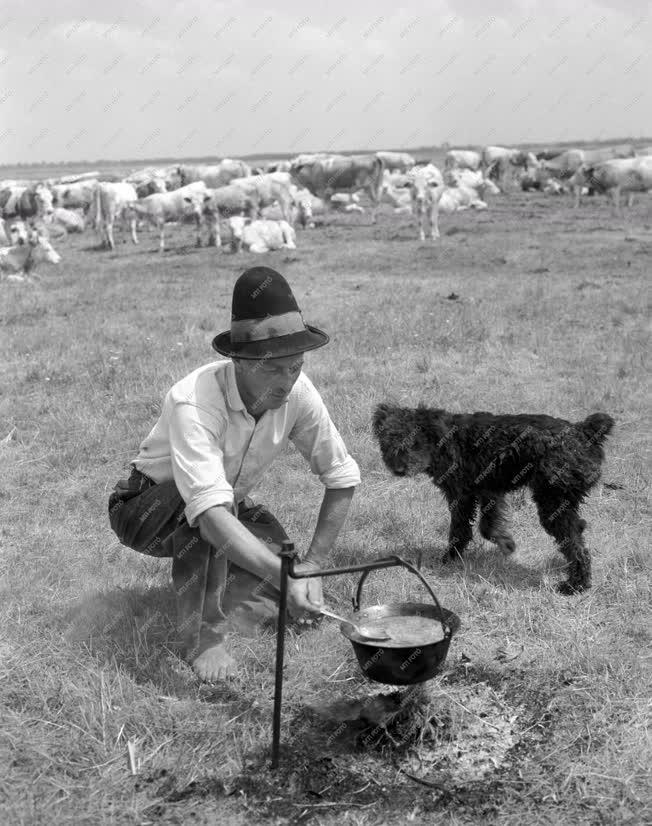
(304, 595)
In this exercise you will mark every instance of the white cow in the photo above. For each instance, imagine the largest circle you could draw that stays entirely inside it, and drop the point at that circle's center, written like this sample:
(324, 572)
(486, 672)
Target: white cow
(462, 159)
(471, 180)
(71, 221)
(79, 195)
(22, 258)
(260, 235)
(614, 177)
(166, 207)
(114, 200)
(400, 161)
(428, 201)
(214, 175)
(223, 203)
(264, 190)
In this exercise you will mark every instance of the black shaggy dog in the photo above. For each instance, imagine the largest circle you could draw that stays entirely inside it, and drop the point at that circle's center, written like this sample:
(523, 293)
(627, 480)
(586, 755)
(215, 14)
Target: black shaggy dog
(476, 458)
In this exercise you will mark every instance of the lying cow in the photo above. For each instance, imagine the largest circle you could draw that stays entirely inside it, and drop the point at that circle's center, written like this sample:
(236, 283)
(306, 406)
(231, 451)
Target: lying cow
(71, 221)
(187, 202)
(471, 180)
(22, 258)
(260, 235)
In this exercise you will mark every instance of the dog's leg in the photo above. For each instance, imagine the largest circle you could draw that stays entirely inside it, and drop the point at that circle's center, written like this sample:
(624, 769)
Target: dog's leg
(462, 512)
(559, 517)
(494, 522)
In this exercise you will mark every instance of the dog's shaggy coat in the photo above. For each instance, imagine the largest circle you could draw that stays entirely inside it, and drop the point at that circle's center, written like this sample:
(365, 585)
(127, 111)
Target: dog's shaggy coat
(475, 459)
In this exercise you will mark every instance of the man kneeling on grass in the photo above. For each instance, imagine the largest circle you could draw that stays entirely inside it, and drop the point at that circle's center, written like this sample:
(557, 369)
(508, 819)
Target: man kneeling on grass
(219, 429)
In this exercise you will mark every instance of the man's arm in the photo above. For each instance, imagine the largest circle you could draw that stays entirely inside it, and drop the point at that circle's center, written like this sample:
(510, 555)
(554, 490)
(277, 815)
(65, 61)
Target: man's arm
(332, 515)
(220, 528)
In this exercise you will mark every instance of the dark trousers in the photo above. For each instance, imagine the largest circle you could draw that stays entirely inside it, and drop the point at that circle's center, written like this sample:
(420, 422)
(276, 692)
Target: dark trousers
(149, 518)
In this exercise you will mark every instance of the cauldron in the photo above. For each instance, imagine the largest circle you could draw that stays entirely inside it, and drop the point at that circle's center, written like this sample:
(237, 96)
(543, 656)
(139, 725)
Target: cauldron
(404, 665)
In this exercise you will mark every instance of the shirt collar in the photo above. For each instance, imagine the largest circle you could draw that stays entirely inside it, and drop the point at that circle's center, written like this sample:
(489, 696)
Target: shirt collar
(232, 393)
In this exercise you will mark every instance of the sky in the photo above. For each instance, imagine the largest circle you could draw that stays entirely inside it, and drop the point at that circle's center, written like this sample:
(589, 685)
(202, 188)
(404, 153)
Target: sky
(128, 79)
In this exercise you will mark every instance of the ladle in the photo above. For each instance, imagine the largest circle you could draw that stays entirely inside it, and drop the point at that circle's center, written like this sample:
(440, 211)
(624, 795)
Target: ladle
(358, 630)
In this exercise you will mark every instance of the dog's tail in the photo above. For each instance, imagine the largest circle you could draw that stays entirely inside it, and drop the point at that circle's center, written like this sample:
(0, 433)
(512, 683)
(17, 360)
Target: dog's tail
(596, 427)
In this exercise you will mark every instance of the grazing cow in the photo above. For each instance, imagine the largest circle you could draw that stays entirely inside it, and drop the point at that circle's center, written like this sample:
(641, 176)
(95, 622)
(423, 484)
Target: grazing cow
(71, 221)
(614, 177)
(338, 173)
(147, 181)
(214, 175)
(397, 197)
(462, 159)
(223, 203)
(23, 257)
(187, 202)
(79, 195)
(113, 200)
(26, 202)
(400, 161)
(567, 163)
(264, 190)
(260, 235)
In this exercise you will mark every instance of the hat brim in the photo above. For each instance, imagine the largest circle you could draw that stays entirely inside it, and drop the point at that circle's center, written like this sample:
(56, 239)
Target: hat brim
(278, 347)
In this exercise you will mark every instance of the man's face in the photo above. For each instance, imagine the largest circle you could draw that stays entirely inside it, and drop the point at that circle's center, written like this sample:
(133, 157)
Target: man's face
(265, 384)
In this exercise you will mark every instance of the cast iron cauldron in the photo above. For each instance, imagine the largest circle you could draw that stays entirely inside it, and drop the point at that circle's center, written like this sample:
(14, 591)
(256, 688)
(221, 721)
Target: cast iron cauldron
(400, 665)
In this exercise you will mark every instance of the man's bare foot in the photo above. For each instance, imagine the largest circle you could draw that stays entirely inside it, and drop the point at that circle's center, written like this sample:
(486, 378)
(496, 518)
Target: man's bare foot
(214, 664)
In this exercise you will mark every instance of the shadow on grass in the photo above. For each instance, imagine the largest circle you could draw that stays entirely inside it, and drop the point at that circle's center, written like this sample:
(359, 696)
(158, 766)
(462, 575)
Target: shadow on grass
(133, 628)
(478, 565)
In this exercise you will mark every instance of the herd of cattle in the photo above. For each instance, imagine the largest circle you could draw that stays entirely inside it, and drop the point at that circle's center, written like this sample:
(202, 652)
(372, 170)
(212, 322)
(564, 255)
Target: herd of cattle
(261, 207)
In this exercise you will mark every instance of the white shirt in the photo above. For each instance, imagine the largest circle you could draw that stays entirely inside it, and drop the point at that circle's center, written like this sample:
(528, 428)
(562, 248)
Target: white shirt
(215, 450)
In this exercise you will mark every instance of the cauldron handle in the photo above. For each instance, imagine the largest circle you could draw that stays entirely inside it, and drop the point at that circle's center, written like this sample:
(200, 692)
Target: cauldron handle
(400, 561)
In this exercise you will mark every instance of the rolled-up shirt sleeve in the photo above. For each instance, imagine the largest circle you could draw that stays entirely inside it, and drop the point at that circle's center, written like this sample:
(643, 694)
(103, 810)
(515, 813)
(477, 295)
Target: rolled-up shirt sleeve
(319, 442)
(198, 459)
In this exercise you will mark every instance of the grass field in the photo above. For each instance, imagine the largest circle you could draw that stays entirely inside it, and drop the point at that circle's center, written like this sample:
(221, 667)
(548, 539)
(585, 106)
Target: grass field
(540, 713)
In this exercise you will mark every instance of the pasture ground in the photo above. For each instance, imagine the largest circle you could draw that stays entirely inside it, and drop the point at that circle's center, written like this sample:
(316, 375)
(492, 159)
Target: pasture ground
(540, 713)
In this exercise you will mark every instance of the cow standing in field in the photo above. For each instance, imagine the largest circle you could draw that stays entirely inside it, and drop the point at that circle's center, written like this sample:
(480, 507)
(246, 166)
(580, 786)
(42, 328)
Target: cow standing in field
(26, 202)
(429, 200)
(264, 190)
(214, 175)
(223, 203)
(396, 161)
(186, 202)
(260, 235)
(615, 177)
(114, 200)
(463, 159)
(566, 164)
(78, 195)
(339, 173)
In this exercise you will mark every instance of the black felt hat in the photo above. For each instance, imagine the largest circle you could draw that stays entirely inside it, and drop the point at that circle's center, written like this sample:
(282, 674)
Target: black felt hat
(266, 321)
